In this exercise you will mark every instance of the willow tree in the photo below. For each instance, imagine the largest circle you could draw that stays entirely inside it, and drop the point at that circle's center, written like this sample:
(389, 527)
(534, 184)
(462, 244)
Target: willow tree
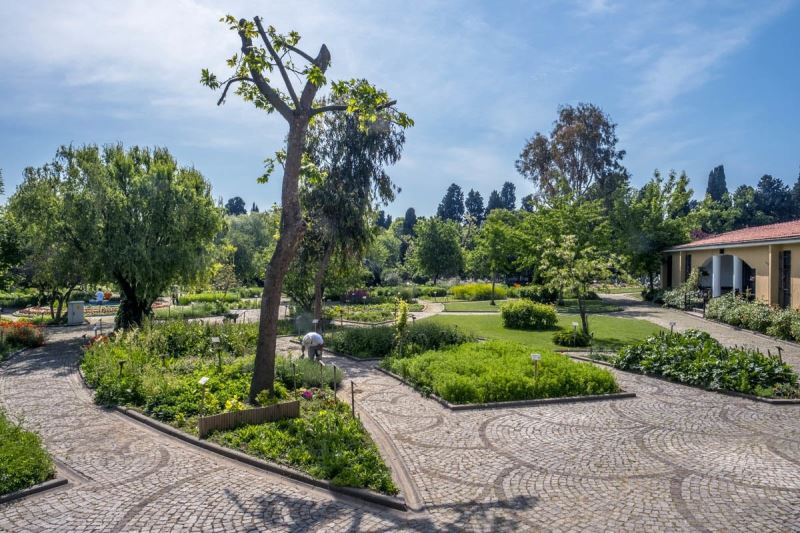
(262, 53)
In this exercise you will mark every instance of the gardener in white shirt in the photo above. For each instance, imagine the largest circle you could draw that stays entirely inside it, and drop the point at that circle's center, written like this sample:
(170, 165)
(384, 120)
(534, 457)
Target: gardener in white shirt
(314, 342)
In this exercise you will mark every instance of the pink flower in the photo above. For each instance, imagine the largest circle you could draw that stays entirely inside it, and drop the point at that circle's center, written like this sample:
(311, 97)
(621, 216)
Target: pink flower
(307, 394)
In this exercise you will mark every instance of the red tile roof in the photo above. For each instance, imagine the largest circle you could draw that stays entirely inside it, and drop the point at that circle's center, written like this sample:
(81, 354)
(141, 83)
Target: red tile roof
(756, 234)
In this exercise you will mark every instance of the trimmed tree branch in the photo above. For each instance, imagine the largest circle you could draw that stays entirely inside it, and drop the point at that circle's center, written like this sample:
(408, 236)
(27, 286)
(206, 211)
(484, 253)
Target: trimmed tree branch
(228, 84)
(342, 107)
(268, 92)
(278, 61)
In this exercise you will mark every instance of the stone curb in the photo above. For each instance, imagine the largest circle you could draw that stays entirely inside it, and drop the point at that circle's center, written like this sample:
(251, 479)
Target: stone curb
(751, 397)
(516, 403)
(361, 494)
(36, 489)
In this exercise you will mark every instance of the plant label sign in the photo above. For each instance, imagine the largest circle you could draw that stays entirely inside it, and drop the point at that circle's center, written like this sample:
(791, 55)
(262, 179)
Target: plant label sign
(536, 357)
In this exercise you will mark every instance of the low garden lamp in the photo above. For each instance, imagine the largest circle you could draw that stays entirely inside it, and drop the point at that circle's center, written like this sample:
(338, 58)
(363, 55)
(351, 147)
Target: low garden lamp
(202, 384)
(536, 357)
(216, 348)
(672, 327)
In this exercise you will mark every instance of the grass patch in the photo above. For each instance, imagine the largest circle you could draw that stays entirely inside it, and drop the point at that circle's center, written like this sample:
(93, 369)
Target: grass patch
(610, 332)
(23, 460)
(482, 306)
(624, 289)
(570, 306)
(326, 441)
(499, 371)
(380, 341)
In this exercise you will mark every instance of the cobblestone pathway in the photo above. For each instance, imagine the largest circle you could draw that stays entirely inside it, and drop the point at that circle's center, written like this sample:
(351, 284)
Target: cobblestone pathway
(727, 335)
(672, 459)
(126, 477)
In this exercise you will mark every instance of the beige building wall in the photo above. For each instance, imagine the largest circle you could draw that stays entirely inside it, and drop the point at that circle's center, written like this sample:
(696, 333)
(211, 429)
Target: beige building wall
(763, 258)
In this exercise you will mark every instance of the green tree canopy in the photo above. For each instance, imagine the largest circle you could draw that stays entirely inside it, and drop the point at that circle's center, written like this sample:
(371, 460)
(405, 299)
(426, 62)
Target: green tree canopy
(474, 206)
(436, 250)
(508, 196)
(452, 205)
(717, 184)
(236, 206)
(495, 202)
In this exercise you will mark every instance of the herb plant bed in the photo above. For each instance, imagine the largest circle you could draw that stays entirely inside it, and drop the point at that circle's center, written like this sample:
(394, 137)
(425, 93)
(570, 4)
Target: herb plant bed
(24, 463)
(366, 312)
(695, 358)
(495, 372)
(129, 370)
(379, 342)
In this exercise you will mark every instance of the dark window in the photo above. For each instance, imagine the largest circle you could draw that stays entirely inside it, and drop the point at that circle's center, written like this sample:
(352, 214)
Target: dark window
(785, 279)
(688, 266)
(669, 271)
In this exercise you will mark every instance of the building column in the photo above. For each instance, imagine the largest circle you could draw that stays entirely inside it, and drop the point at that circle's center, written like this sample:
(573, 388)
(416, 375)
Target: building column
(737, 274)
(716, 276)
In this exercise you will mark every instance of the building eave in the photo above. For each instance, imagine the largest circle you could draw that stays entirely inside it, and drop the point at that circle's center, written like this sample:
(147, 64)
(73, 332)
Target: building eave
(745, 244)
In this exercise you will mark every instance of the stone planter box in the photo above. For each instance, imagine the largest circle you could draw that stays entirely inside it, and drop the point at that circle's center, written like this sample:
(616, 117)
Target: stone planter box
(259, 415)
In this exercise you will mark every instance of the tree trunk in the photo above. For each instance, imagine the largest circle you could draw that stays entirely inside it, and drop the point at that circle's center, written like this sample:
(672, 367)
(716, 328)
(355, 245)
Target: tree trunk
(132, 311)
(584, 317)
(651, 276)
(494, 279)
(291, 231)
(319, 280)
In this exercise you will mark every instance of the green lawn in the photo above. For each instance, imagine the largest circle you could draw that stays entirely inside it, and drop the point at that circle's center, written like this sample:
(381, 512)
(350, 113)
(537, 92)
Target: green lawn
(610, 332)
(611, 289)
(570, 306)
(466, 306)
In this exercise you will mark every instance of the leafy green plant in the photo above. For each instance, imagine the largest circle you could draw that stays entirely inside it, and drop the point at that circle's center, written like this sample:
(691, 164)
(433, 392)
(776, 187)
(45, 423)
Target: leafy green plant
(325, 442)
(695, 358)
(565, 337)
(497, 371)
(539, 293)
(209, 297)
(379, 342)
(23, 460)
(478, 291)
(757, 316)
(524, 314)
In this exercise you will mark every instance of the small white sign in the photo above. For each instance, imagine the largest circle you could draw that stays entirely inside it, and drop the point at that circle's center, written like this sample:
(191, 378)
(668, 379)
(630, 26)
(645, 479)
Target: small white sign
(536, 356)
(203, 380)
(214, 340)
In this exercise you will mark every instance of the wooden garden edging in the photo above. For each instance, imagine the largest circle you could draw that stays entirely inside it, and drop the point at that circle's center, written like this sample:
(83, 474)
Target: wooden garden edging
(259, 415)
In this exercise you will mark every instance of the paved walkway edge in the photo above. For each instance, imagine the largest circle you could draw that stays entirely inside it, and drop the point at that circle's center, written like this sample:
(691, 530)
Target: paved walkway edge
(751, 397)
(517, 403)
(360, 494)
(36, 489)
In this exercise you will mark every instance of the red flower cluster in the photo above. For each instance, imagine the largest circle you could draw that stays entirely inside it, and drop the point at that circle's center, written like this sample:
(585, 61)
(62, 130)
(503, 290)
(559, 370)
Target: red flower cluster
(21, 333)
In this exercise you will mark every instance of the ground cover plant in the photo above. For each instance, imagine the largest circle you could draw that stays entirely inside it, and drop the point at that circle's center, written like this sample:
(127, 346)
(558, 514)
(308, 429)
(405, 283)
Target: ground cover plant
(498, 371)
(695, 358)
(479, 306)
(525, 314)
(18, 334)
(478, 291)
(209, 297)
(610, 332)
(23, 460)
(570, 305)
(741, 312)
(571, 338)
(366, 312)
(157, 370)
(380, 342)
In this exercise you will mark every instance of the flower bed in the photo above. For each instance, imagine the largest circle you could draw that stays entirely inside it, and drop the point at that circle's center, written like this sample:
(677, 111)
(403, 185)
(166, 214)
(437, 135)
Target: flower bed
(499, 371)
(757, 316)
(19, 334)
(366, 312)
(167, 389)
(23, 460)
(478, 291)
(380, 341)
(695, 358)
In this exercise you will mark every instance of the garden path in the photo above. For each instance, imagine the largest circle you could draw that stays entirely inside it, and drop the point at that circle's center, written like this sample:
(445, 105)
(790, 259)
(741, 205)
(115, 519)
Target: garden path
(672, 459)
(634, 307)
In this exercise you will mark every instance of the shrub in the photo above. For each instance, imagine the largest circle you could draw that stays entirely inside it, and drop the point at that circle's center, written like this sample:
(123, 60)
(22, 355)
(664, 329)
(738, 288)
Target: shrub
(23, 460)
(208, 297)
(19, 334)
(497, 371)
(653, 295)
(738, 311)
(524, 314)
(379, 342)
(697, 359)
(478, 291)
(685, 294)
(571, 338)
(539, 293)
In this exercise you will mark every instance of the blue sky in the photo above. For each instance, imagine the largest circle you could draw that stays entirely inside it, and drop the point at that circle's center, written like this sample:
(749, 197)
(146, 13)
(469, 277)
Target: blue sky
(690, 84)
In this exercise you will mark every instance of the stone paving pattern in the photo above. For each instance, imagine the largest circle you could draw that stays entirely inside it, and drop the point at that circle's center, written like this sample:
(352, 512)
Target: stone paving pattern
(672, 459)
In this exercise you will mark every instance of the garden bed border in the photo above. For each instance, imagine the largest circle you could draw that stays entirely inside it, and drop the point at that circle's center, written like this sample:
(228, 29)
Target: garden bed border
(736, 328)
(45, 486)
(751, 397)
(369, 496)
(514, 403)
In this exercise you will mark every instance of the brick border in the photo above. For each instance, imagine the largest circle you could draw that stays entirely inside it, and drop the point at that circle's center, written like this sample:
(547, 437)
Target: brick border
(36, 489)
(516, 403)
(751, 397)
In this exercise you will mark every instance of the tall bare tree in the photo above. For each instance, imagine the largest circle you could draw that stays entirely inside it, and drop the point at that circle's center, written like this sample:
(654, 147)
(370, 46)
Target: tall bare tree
(252, 67)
